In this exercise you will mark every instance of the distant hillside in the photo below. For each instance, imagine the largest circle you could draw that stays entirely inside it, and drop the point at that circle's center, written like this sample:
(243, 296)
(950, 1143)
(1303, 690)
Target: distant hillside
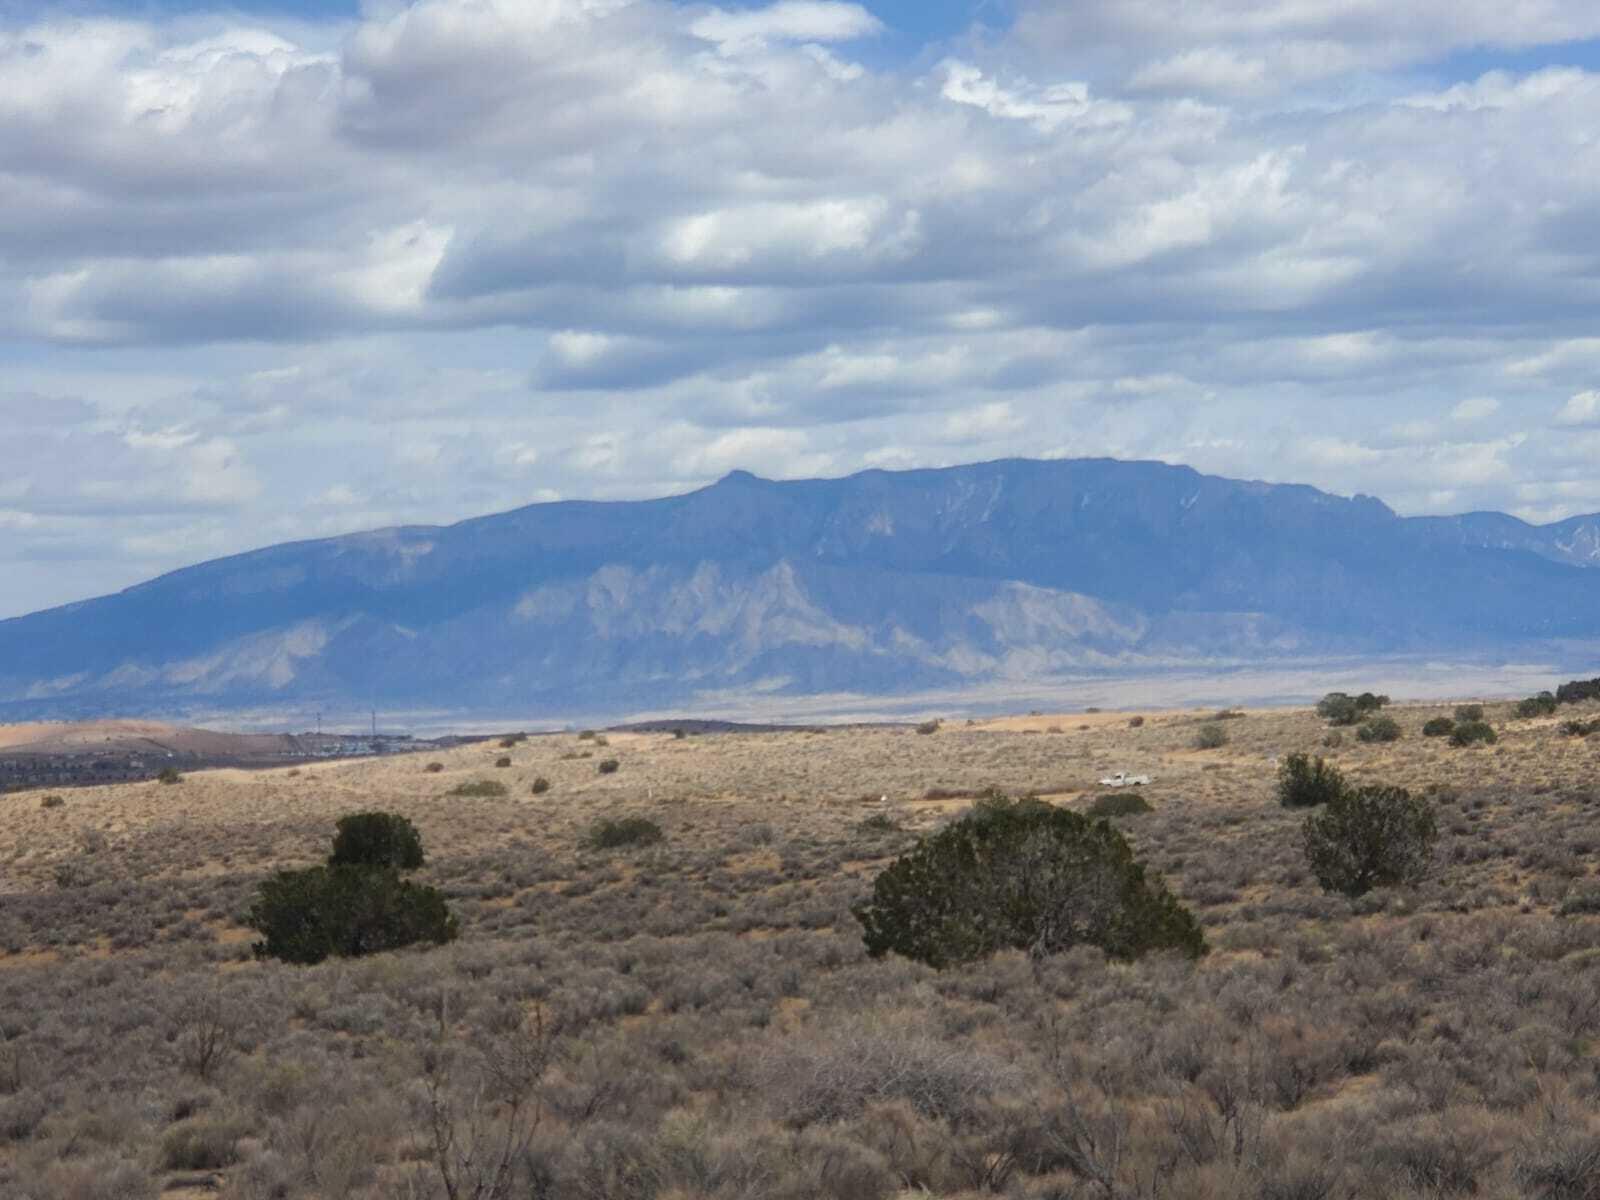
(877, 583)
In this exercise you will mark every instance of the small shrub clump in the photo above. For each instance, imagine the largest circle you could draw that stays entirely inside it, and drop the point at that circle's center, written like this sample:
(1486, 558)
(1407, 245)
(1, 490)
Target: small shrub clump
(1542, 705)
(1025, 875)
(479, 787)
(1306, 782)
(51, 802)
(1338, 708)
(541, 785)
(1210, 737)
(434, 768)
(1135, 722)
(169, 775)
(200, 1144)
(1370, 837)
(1468, 733)
(503, 761)
(878, 823)
(1119, 804)
(1439, 727)
(611, 833)
(928, 727)
(376, 839)
(1585, 902)
(1570, 728)
(607, 766)
(1341, 708)
(1379, 729)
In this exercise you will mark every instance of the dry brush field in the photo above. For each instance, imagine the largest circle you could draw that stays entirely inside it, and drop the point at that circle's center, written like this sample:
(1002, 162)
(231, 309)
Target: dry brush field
(697, 1018)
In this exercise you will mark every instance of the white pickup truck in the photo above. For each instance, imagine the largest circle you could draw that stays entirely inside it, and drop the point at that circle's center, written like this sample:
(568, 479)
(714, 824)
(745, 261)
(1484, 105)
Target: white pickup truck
(1123, 779)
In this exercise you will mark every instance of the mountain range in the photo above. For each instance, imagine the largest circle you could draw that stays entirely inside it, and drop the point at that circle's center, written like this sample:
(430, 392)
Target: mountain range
(876, 584)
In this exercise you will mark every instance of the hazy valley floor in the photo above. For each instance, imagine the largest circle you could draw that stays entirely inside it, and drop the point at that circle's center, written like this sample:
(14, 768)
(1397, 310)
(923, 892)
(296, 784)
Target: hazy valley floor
(713, 1028)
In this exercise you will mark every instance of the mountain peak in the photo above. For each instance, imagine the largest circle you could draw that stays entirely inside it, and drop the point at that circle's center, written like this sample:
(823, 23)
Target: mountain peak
(876, 583)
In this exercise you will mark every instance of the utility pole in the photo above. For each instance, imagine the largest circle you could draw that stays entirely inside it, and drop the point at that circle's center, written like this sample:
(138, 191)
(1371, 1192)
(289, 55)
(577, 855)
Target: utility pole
(374, 724)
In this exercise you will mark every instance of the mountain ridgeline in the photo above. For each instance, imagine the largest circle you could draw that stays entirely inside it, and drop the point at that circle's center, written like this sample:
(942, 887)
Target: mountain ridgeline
(878, 583)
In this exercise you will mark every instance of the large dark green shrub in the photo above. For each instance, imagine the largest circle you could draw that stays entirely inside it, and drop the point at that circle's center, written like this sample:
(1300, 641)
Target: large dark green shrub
(1338, 708)
(1210, 737)
(1468, 732)
(1306, 782)
(1379, 729)
(1439, 727)
(1341, 708)
(1022, 875)
(356, 904)
(376, 839)
(1370, 837)
(1578, 690)
(345, 911)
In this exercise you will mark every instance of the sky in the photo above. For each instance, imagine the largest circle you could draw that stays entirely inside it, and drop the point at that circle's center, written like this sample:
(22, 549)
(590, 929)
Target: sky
(286, 269)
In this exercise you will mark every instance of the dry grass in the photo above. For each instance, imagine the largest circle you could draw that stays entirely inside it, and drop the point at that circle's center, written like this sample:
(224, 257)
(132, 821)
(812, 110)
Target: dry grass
(713, 1029)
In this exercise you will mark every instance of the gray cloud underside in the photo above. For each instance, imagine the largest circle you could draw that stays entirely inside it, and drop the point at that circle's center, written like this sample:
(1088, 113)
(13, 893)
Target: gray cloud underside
(263, 284)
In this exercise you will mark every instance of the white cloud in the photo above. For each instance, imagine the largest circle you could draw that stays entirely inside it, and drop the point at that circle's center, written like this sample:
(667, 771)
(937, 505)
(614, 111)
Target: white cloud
(451, 256)
(1477, 408)
(983, 423)
(1581, 411)
(1233, 46)
(789, 21)
(779, 453)
(1207, 69)
(1046, 107)
(1503, 90)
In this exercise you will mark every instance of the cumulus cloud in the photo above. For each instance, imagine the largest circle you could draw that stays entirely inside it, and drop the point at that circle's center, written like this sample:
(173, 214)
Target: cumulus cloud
(273, 280)
(1581, 411)
(1246, 46)
(789, 21)
(1474, 409)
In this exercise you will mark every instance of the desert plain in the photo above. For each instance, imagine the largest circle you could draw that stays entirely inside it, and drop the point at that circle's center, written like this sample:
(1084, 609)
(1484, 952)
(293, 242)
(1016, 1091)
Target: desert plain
(697, 1018)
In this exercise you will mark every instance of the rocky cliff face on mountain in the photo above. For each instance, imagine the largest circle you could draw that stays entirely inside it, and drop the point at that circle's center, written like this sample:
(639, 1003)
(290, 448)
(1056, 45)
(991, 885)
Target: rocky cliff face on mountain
(1575, 541)
(878, 583)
